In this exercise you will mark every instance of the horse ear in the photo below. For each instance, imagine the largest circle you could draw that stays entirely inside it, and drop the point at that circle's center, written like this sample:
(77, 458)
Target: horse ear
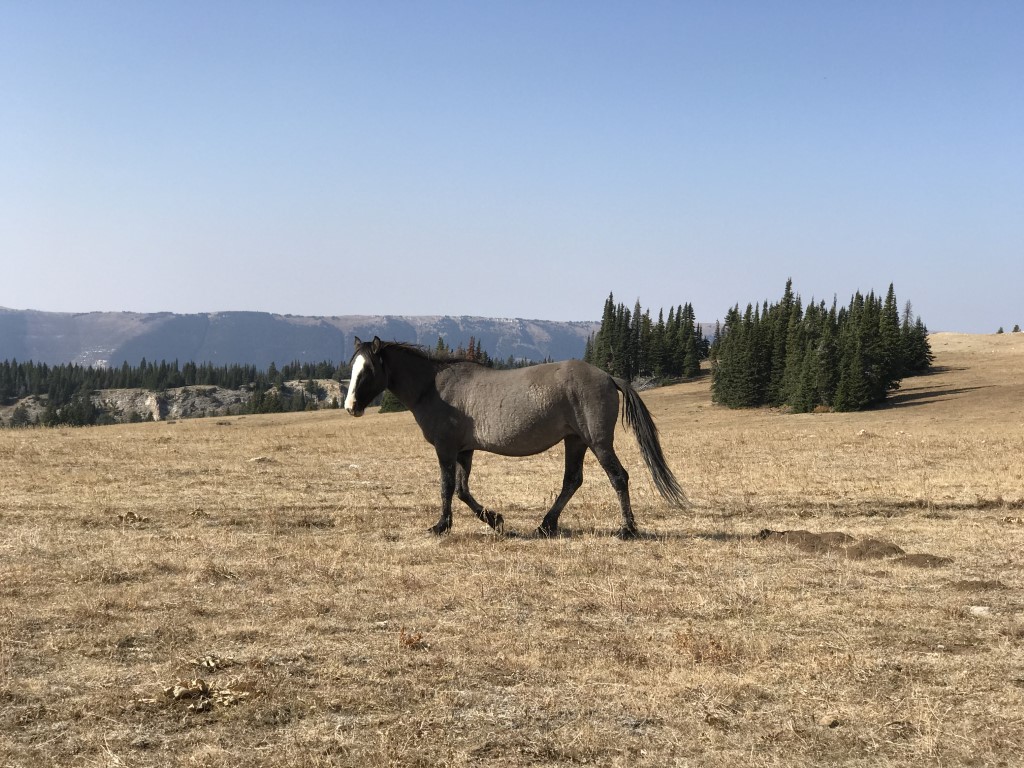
(358, 342)
(376, 344)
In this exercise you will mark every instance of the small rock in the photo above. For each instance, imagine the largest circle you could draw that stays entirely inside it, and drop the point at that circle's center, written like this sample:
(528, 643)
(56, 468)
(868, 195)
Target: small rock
(831, 720)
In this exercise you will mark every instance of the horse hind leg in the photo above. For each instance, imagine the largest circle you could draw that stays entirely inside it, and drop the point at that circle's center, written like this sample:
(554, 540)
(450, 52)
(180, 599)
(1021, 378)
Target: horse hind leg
(575, 451)
(463, 468)
(620, 482)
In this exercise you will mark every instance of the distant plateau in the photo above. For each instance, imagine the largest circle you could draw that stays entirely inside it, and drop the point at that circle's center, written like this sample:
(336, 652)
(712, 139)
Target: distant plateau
(259, 338)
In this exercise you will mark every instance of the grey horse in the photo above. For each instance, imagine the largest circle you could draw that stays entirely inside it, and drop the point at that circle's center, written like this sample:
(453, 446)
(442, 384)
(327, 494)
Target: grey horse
(462, 406)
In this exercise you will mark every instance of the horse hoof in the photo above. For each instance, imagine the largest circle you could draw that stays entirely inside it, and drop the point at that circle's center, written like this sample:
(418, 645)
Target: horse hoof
(547, 533)
(438, 530)
(496, 521)
(628, 534)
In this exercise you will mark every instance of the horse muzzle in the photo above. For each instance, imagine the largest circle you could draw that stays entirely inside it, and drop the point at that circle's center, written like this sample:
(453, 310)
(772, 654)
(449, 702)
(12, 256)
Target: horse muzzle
(355, 411)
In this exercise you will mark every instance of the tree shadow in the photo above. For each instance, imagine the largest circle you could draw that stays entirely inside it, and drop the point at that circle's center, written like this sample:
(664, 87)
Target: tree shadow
(926, 395)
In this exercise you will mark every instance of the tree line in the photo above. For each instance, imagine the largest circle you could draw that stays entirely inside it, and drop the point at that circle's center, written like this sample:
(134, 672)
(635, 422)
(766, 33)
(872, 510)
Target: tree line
(61, 382)
(68, 387)
(630, 345)
(474, 352)
(843, 358)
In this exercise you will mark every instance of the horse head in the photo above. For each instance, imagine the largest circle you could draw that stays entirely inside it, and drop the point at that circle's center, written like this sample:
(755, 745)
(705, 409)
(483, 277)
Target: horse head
(368, 379)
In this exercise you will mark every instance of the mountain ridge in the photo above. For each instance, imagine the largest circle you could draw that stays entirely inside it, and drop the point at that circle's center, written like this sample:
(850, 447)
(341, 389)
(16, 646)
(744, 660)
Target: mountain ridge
(259, 338)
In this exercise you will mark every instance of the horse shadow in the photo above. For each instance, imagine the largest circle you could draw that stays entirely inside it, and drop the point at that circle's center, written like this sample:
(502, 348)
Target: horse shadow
(567, 533)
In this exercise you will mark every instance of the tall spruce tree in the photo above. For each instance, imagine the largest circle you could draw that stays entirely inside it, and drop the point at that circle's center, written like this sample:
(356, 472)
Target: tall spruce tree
(727, 365)
(691, 356)
(777, 333)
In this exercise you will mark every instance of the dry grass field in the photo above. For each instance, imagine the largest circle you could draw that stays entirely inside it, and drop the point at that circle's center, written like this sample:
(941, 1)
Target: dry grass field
(262, 591)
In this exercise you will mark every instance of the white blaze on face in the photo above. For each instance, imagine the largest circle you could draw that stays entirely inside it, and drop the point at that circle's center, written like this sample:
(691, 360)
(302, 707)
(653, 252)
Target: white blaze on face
(357, 368)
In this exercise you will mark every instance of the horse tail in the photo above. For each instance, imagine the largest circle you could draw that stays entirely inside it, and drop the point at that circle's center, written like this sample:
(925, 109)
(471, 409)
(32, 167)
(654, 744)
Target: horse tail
(636, 415)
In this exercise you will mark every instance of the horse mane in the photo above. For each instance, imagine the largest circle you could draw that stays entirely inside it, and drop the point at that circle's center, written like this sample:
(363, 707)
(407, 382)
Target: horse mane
(418, 350)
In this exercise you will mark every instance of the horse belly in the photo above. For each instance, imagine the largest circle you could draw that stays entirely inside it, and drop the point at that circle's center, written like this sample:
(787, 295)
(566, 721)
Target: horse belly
(517, 444)
(519, 431)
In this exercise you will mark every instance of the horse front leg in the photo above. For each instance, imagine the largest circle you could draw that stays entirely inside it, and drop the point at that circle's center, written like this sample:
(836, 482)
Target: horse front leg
(465, 466)
(444, 524)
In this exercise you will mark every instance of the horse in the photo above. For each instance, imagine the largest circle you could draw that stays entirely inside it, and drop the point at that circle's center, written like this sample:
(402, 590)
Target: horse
(462, 406)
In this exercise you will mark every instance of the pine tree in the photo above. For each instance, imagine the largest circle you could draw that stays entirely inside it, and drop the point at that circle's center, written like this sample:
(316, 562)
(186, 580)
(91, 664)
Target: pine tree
(716, 341)
(690, 357)
(20, 417)
(803, 396)
(798, 362)
(777, 330)
(856, 375)
(919, 349)
(827, 375)
(892, 361)
(630, 340)
(601, 353)
(391, 404)
(669, 346)
(725, 367)
(656, 349)
(644, 361)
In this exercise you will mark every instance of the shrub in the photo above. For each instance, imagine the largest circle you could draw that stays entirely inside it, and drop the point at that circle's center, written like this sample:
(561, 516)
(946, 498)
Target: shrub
(391, 404)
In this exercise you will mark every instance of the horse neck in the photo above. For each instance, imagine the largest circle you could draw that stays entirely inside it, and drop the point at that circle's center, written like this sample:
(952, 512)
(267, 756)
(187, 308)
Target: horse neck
(409, 374)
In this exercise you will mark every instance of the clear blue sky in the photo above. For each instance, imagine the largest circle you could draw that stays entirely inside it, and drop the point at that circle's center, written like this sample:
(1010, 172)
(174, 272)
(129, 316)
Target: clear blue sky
(511, 158)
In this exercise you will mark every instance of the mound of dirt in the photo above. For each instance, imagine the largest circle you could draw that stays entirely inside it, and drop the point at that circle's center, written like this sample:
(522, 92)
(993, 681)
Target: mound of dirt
(873, 549)
(847, 546)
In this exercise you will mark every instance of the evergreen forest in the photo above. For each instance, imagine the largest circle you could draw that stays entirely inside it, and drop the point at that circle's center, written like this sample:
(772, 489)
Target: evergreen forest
(819, 357)
(68, 387)
(630, 345)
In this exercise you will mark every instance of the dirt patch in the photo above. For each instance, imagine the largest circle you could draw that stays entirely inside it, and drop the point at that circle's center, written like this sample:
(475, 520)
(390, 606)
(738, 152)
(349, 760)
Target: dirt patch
(924, 560)
(807, 541)
(848, 546)
(977, 585)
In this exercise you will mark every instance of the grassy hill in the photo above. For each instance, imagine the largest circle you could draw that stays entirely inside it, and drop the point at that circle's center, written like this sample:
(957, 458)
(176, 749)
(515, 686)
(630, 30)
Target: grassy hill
(846, 590)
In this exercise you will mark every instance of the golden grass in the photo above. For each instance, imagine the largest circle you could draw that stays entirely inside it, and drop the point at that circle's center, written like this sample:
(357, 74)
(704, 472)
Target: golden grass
(261, 590)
